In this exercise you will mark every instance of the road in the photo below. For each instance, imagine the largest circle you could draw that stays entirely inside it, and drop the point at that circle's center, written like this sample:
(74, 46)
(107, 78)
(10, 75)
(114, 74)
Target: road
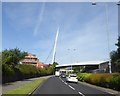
(57, 85)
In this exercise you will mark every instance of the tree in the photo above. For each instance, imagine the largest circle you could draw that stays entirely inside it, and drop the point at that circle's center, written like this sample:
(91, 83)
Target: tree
(78, 69)
(0, 65)
(115, 58)
(54, 64)
(118, 45)
(12, 56)
(0, 58)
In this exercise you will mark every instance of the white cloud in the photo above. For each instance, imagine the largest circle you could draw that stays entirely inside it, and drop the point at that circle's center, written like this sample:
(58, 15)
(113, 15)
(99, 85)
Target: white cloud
(40, 18)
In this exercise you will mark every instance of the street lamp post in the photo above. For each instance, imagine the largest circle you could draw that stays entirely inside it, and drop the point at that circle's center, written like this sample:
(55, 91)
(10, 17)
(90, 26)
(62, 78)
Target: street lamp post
(106, 7)
(118, 3)
(106, 11)
(71, 57)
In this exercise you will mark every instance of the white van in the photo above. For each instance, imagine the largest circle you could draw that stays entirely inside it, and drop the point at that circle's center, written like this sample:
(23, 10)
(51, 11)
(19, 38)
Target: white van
(57, 73)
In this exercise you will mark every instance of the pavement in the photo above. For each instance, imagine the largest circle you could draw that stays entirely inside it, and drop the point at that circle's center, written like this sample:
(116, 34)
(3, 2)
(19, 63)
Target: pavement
(57, 85)
(12, 85)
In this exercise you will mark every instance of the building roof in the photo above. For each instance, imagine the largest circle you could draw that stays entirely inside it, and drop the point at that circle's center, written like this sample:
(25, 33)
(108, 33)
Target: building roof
(30, 56)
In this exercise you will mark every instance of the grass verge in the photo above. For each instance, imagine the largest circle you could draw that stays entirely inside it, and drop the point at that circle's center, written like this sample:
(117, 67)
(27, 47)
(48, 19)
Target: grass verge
(24, 89)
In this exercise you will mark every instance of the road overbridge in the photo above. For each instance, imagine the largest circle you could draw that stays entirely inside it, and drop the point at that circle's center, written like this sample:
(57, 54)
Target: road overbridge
(98, 66)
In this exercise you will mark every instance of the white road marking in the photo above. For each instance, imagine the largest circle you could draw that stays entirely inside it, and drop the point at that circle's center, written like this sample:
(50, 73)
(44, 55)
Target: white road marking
(71, 87)
(74, 88)
(61, 80)
(65, 83)
(81, 94)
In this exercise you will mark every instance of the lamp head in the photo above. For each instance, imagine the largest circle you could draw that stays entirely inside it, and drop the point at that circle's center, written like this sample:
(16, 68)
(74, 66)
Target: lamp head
(93, 3)
(118, 3)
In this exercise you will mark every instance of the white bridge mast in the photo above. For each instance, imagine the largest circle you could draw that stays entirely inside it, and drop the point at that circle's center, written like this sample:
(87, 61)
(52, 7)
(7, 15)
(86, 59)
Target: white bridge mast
(55, 43)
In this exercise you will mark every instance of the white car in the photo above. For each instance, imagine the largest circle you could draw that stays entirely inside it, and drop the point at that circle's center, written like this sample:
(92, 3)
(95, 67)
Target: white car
(72, 78)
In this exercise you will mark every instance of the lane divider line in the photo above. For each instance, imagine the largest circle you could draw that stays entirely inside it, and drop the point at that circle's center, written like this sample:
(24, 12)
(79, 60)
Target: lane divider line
(71, 87)
(81, 94)
(61, 80)
(65, 83)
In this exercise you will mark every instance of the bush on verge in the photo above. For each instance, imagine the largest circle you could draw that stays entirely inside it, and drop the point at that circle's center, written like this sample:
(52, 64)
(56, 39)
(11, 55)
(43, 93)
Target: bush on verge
(105, 80)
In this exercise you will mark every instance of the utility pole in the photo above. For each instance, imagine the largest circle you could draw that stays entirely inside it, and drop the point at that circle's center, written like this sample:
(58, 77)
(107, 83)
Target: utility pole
(55, 43)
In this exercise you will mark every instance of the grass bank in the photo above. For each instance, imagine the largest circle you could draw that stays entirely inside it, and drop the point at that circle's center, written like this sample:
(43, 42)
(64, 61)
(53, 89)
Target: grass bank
(24, 89)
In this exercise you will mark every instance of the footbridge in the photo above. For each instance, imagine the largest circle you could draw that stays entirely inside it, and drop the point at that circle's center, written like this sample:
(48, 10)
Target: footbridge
(98, 65)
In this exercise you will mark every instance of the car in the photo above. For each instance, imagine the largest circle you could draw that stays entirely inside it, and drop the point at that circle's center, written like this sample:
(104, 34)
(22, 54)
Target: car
(72, 78)
(63, 75)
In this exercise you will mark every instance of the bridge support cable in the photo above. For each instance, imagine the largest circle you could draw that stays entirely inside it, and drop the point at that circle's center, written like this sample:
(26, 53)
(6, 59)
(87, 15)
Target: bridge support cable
(48, 55)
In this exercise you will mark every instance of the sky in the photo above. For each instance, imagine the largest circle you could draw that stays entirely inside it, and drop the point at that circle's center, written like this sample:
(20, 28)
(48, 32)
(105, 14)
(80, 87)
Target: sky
(32, 27)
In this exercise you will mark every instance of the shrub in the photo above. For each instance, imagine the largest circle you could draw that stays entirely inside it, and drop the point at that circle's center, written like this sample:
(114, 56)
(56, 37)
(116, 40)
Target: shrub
(7, 70)
(27, 70)
(99, 79)
(8, 73)
(23, 71)
(115, 82)
(83, 76)
(104, 79)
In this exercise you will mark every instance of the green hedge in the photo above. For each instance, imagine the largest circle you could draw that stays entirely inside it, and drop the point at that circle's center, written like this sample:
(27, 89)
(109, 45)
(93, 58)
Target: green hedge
(83, 76)
(105, 79)
(115, 82)
(7, 70)
(23, 71)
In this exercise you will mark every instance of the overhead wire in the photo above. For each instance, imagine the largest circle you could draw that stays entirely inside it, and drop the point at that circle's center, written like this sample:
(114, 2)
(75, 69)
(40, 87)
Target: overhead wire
(48, 55)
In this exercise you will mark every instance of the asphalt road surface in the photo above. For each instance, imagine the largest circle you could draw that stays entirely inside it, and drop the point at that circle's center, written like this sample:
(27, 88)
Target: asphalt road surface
(57, 85)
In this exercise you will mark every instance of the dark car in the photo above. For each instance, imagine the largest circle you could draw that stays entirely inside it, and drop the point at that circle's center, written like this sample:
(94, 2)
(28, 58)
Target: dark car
(63, 75)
